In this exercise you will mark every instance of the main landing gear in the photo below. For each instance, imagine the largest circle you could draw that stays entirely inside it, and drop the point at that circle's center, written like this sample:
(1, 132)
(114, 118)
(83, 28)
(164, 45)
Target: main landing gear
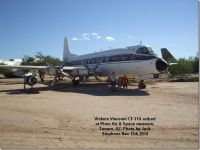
(75, 81)
(141, 84)
(41, 74)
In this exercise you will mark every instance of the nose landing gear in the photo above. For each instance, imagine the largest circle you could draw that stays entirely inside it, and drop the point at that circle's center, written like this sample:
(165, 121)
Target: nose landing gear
(141, 85)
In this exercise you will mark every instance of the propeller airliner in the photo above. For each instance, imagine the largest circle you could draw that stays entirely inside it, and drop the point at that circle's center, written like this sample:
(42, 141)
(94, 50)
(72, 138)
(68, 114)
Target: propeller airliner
(139, 61)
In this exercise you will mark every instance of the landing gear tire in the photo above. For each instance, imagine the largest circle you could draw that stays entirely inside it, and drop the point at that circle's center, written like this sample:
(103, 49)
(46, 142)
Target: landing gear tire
(41, 74)
(75, 82)
(42, 80)
(141, 85)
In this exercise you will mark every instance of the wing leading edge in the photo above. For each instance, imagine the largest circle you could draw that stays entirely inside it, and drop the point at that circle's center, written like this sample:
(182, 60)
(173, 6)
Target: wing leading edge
(38, 67)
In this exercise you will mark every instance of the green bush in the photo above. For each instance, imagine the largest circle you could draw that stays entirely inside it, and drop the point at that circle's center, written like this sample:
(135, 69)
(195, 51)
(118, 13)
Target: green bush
(185, 67)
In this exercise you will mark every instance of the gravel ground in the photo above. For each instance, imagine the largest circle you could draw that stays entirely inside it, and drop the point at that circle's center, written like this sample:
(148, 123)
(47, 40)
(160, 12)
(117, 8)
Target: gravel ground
(63, 117)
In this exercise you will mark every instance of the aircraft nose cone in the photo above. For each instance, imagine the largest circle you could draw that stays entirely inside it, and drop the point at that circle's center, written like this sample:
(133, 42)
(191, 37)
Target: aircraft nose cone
(161, 65)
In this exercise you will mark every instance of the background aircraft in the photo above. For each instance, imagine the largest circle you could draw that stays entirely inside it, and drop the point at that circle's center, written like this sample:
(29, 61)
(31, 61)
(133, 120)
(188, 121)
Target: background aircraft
(139, 61)
(12, 72)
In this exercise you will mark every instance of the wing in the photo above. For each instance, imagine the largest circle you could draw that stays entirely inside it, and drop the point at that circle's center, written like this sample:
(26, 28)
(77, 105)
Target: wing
(68, 68)
(24, 67)
(21, 67)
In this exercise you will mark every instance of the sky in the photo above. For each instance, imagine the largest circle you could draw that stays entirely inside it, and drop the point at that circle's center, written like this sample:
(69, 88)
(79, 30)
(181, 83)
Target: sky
(31, 26)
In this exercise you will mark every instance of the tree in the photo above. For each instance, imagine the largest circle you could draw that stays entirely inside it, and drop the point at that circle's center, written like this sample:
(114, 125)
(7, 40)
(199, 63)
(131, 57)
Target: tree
(41, 60)
(27, 60)
(196, 65)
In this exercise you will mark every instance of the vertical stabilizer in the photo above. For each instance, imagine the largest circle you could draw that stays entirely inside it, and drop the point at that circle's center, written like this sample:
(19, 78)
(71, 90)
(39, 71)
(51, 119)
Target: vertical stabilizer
(167, 56)
(66, 52)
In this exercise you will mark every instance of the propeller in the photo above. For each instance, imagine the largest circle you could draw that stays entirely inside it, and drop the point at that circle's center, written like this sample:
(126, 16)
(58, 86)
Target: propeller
(58, 73)
(92, 72)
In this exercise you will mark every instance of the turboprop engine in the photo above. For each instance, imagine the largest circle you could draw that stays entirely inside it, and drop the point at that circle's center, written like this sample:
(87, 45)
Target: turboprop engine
(30, 80)
(86, 72)
(51, 70)
(79, 72)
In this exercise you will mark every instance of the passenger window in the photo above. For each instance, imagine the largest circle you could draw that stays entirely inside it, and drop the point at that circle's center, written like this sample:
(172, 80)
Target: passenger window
(115, 58)
(94, 61)
(123, 58)
(98, 59)
(132, 57)
(108, 59)
(103, 59)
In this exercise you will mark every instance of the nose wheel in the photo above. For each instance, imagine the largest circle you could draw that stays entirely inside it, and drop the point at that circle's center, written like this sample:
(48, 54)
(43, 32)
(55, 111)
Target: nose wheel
(141, 85)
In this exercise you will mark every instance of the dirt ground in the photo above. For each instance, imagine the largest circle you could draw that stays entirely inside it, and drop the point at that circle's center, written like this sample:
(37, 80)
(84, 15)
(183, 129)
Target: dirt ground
(63, 117)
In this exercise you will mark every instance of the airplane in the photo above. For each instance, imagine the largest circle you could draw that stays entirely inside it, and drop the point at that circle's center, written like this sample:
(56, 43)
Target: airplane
(139, 61)
(12, 72)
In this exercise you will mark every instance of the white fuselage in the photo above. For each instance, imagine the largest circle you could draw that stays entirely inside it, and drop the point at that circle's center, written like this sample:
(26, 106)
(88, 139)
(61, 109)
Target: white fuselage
(129, 67)
(131, 61)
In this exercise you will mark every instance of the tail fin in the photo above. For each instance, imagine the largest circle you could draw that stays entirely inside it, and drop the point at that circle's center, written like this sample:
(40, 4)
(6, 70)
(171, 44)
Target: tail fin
(167, 56)
(66, 52)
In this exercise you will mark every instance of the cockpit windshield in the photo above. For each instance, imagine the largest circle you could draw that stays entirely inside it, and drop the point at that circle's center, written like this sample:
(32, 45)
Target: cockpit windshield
(142, 50)
(145, 51)
(151, 52)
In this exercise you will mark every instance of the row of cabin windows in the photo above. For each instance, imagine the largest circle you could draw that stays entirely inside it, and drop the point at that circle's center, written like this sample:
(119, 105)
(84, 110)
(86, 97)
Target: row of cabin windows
(115, 58)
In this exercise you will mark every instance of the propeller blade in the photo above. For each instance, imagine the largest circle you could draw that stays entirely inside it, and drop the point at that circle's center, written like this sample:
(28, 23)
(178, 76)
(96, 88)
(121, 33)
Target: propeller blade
(86, 78)
(54, 81)
(64, 74)
(91, 72)
(95, 68)
(169, 74)
(62, 65)
(97, 78)
(86, 66)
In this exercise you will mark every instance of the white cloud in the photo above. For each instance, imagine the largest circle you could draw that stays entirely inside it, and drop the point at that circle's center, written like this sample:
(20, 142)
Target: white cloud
(109, 38)
(85, 34)
(74, 39)
(86, 38)
(94, 33)
(89, 36)
(98, 37)
(80, 39)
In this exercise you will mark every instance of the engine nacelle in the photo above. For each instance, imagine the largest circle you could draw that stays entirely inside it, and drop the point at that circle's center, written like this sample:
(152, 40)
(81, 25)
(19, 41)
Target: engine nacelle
(30, 80)
(79, 72)
(51, 70)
